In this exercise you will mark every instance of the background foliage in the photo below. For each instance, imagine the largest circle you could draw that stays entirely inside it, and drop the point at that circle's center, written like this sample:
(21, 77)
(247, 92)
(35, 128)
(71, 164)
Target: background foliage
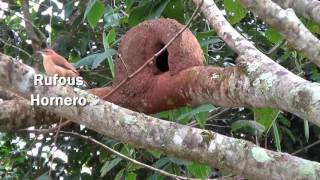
(88, 33)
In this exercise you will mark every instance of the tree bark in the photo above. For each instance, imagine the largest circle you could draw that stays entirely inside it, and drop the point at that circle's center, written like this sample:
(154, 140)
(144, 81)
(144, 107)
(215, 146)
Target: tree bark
(289, 25)
(270, 80)
(238, 156)
(308, 8)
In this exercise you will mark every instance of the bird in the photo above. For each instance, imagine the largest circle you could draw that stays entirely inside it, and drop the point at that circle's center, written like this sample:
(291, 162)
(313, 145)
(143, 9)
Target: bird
(56, 64)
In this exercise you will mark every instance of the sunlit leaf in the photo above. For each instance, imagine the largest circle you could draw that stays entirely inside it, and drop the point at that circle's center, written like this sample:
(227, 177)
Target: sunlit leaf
(265, 116)
(199, 170)
(236, 12)
(94, 11)
(131, 176)
(154, 153)
(273, 35)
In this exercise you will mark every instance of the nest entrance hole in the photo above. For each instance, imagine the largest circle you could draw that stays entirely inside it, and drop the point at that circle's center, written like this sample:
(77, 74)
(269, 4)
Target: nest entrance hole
(162, 61)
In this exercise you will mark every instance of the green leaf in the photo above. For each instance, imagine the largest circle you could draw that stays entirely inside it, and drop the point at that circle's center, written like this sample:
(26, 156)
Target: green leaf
(147, 10)
(276, 136)
(90, 5)
(202, 118)
(273, 35)
(108, 165)
(288, 131)
(119, 174)
(108, 39)
(248, 126)
(283, 121)
(111, 36)
(199, 109)
(131, 176)
(131, 167)
(199, 171)
(138, 14)
(175, 10)
(235, 11)
(112, 18)
(157, 11)
(180, 162)
(129, 3)
(265, 116)
(155, 153)
(212, 40)
(94, 11)
(105, 41)
(68, 9)
(306, 130)
(311, 25)
(94, 60)
(161, 162)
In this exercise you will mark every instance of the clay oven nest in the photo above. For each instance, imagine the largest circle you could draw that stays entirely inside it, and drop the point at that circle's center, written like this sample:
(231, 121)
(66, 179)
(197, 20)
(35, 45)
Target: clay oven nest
(150, 90)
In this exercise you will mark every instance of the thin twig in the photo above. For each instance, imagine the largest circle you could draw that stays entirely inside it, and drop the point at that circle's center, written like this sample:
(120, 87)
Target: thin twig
(124, 63)
(307, 147)
(223, 110)
(115, 152)
(126, 157)
(47, 131)
(276, 47)
(54, 143)
(19, 16)
(50, 24)
(16, 47)
(149, 61)
(60, 126)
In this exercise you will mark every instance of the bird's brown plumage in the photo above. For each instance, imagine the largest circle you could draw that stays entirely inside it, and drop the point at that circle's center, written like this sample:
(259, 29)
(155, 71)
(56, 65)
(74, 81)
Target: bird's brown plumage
(55, 64)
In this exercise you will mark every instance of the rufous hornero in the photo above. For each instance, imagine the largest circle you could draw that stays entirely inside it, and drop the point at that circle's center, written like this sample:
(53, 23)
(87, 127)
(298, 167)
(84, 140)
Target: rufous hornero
(53, 64)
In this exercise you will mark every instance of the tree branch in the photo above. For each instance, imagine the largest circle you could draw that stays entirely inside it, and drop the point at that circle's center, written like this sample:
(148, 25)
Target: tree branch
(279, 86)
(308, 8)
(36, 41)
(290, 26)
(238, 156)
(17, 113)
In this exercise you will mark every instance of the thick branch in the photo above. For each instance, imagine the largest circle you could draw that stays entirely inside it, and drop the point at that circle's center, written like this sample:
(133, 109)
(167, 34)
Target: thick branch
(289, 25)
(239, 156)
(269, 79)
(36, 41)
(308, 8)
(16, 113)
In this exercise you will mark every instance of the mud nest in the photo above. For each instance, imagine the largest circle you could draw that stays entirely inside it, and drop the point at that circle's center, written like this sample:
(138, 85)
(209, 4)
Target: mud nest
(143, 41)
(156, 87)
